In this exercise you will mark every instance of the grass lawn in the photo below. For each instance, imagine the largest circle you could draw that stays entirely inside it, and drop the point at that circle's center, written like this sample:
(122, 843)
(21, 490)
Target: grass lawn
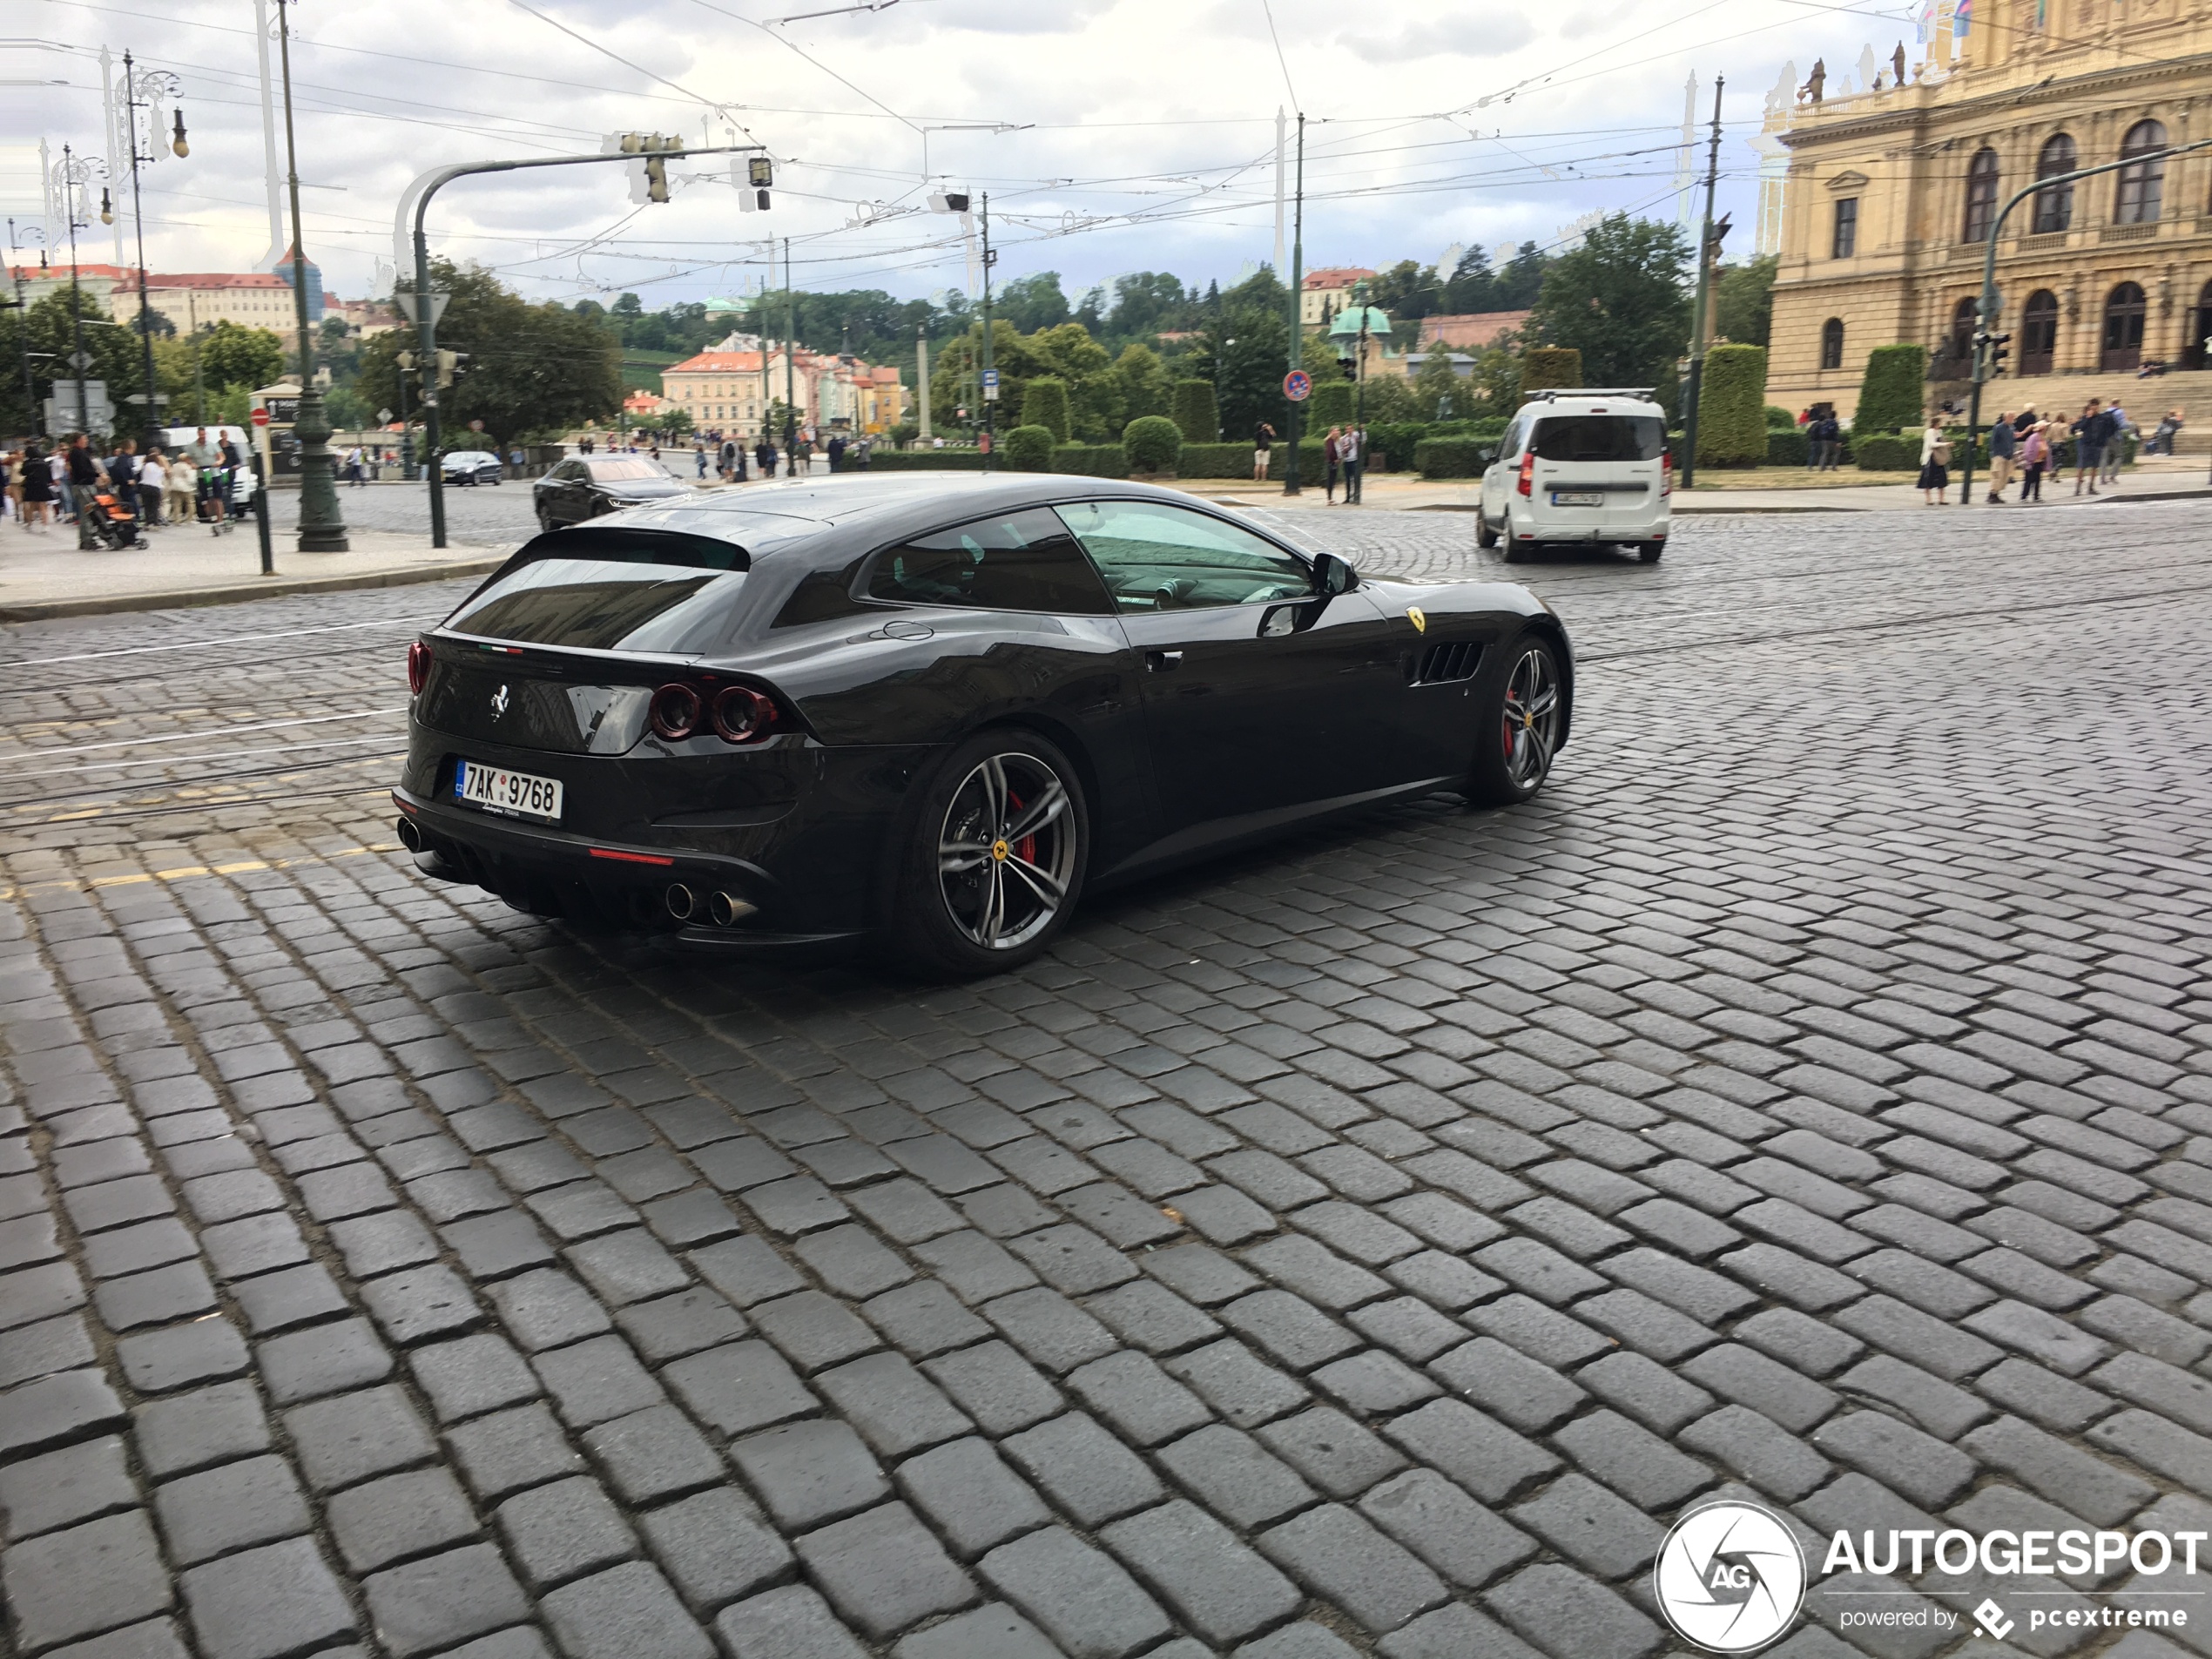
(1795, 478)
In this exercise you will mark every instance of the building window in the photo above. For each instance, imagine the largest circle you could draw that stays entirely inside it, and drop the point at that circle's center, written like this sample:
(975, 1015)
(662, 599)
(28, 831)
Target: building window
(1981, 197)
(1960, 345)
(2054, 203)
(1846, 239)
(1831, 343)
(2142, 181)
(2200, 329)
(2039, 333)
(2123, 347)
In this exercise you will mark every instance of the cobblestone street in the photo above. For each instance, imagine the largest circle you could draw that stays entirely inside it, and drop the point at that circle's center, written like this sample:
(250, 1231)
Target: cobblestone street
(1365, 1245)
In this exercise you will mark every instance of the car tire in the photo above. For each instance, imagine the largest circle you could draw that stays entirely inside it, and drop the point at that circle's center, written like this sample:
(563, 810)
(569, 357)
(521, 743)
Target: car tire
(1649, 551)
(1521, 697)
(949, 877)
(544, 522)
(1516, 552)
(1484, 536)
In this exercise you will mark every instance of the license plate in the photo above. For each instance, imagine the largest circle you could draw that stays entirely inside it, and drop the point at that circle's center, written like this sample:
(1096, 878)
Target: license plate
(513, 794)
(1578, 498)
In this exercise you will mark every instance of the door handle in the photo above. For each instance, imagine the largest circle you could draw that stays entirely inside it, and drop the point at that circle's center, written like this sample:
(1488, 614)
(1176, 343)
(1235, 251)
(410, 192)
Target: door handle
(1162, 661)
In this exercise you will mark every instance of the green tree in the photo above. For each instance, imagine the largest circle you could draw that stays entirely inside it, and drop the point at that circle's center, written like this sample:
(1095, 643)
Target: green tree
(1744, 302)
(1619, 299)
(1142, 381)
(1029, 447)
(1893, 393)
(1388, 398)
(1195, 415)
(1546, 368)
(1440, 392)
(1068, 353)
(1407, 290)
(1731, 407)
(1044, 403)
(1247, 338)
(1522, 279)
(528, 368)
(1152, 444)
(221, 354)
(48, 329)
(1033, 304)
(1330, 405)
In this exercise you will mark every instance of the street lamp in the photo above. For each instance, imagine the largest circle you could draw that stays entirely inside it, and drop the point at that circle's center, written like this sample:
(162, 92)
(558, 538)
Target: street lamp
(23, 333)
(322, 530)
(147, 88)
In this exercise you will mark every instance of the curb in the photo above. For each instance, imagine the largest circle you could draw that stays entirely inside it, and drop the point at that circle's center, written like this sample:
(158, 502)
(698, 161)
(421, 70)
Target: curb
(272, 588)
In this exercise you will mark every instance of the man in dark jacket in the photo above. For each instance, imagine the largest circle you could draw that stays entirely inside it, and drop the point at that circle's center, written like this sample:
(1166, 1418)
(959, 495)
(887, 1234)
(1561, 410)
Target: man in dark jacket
(2091, 433)
(2003, 442)
(84, 478)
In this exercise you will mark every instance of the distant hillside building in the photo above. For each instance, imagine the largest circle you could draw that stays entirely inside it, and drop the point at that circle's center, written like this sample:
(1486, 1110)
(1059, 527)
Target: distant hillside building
(722, 390)
(1324, 292)
(1470, 331)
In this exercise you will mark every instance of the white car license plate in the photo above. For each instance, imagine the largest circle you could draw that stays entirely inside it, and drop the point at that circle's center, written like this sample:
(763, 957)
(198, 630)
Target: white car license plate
(1578, 498)
(516, 794)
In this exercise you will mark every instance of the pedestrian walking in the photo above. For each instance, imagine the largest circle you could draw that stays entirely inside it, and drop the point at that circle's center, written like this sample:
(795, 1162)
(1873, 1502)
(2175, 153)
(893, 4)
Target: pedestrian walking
(38, 490)
(2090, 433)
(1935, 462)
(85, 474)
(1831, 442)
(2035, 456)
(2004, 441)
(1329, 463)
(837, 452)
(698, 454)
(2116, 445)
(152, 476)
(1355, 446)
(1262, 451)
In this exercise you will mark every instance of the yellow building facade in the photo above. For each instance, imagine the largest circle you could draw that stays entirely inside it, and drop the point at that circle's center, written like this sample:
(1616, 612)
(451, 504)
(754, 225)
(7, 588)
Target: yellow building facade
(1890, 193)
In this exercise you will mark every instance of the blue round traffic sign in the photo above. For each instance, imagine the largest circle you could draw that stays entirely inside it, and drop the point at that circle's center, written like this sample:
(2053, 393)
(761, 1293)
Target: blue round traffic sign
(1297, 386)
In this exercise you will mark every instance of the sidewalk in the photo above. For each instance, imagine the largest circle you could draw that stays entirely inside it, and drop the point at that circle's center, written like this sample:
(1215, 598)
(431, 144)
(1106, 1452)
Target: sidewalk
(43, 577)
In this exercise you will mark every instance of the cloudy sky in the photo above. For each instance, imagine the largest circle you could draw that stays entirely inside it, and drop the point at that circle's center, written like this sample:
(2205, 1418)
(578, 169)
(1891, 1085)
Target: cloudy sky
(1112, 135)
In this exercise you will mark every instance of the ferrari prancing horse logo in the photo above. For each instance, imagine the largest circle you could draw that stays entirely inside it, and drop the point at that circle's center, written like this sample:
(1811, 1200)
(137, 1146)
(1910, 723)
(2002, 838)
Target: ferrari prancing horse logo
(1420, 622)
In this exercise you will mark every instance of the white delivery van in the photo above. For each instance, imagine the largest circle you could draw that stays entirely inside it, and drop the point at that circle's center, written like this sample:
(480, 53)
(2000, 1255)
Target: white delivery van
(1580, 465)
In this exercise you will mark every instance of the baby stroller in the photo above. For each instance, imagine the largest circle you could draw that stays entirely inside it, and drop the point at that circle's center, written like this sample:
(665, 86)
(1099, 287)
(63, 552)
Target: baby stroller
(111, 522)
(213, 506)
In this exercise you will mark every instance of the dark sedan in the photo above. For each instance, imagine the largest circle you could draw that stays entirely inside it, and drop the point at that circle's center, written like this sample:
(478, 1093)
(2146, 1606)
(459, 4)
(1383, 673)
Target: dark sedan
(936, 710)
(592, 486)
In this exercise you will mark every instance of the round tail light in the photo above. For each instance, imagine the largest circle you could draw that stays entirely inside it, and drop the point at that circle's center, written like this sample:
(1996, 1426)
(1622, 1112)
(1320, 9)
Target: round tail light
(675, 710)
(418, 668)
(742, 715)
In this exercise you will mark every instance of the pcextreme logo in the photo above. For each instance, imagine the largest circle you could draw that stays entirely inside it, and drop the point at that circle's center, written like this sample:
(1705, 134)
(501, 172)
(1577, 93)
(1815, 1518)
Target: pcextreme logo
(1730, 1577)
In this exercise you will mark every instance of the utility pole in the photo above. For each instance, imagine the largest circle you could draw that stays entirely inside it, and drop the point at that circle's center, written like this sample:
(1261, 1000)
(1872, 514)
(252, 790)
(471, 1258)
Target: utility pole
(79, 359)
(1359, 363)
(23, 333)
(990, 390)
(790, 370)
(322, 530)
(156, 82)
(921, 373)
(199, 381)
(1297, 325)
(1697, 322)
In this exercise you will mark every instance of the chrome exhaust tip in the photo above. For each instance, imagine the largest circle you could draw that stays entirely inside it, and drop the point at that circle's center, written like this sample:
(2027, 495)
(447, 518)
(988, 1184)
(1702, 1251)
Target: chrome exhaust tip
(722, 909)
(410, 835)
(681, 902)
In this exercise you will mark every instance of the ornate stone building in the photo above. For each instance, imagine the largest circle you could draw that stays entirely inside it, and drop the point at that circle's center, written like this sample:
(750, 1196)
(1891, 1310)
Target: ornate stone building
(1890, 192)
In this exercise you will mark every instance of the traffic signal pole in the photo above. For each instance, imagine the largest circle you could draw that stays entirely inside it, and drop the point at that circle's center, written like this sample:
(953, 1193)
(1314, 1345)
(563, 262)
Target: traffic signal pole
(1689, 467)
(426, 321)
(988, 386)
(1986, 309)
(1297, 321)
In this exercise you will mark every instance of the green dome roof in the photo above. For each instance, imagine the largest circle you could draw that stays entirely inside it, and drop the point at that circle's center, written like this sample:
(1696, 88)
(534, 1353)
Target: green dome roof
(1347, 320)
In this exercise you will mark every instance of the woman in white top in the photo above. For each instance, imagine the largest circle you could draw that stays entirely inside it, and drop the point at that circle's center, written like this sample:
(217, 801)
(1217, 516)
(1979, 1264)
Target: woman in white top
(153, 473)
(1935, 458)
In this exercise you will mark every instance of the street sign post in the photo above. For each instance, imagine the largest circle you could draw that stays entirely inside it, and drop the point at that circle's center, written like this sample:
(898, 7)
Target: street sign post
(260, 417)
(990, 386)
(1297, 386)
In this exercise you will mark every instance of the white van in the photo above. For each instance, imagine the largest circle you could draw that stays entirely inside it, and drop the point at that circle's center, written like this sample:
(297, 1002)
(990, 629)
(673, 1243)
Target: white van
(1580, 465)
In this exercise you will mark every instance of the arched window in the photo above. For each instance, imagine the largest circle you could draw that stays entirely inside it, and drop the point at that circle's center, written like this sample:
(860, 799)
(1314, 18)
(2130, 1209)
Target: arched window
(2039, 333)
(1961, 343)
(1981, 196)
(1831, 343)
(2123, 347)
(2200, 330)
(2054, 204)
(2142, 181)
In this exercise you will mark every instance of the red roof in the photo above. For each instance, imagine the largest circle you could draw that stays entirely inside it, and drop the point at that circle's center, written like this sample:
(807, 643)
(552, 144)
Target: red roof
(1337, 276)
(718, 362)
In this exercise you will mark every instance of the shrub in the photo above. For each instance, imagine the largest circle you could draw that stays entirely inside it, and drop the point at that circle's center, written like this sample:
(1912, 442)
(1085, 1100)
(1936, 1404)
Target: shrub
(1545, 369)
(1091, 460)
(1891, 398)
(1732, 424)
(1217, 460)
(1886, 451)
(1153, 442)
(903, 434)
(1195, 415)
(1787, 447)
(1452, 457)
(1028, 448)
(1330, 405)
(1391, 444)
(1776, 417)
(1044, 402)
(926, 460)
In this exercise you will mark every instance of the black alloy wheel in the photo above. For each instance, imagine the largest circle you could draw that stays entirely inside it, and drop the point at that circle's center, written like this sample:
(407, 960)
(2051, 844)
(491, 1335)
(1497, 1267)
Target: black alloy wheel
(994, 857)
(1521, 698)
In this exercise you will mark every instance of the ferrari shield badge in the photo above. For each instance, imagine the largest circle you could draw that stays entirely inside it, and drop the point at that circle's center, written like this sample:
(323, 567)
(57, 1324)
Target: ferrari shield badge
(1413, 614)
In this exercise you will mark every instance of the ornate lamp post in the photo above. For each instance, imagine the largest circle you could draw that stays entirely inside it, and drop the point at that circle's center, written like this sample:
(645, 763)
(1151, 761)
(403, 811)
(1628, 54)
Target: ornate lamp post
(148, 89)
(322, 530)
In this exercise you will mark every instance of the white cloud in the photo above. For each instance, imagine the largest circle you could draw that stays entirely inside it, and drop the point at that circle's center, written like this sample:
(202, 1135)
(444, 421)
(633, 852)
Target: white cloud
(1487, 36)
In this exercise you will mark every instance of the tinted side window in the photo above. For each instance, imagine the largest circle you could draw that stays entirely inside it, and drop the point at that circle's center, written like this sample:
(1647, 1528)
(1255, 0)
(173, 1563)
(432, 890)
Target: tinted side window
(1599, 437)
(1164, 558)
(1024, 561)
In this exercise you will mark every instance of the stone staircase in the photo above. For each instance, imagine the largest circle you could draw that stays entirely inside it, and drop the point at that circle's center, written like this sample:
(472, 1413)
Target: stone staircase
(2146, 401)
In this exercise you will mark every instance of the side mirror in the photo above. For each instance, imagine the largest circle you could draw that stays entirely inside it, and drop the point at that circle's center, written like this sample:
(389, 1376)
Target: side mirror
(1331, 576)
(1488, 454)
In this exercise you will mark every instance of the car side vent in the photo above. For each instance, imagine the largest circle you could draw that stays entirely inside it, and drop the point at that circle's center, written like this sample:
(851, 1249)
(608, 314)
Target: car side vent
(1443, 664)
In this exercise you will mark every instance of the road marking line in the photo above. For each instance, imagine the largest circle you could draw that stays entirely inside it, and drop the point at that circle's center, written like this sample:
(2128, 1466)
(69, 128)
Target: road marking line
(187, 872)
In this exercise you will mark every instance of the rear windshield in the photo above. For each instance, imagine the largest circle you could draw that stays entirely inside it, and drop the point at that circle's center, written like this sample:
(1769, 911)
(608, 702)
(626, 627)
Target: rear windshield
(606, 604)
(625, 468)
(1598, 437)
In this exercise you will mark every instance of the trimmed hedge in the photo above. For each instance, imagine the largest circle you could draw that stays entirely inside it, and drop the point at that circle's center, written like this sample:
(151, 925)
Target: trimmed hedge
(1330, 405)
(1391, 445)
(1452, 457)
(1886, 451)
(1731, 420)
(926, 460)
(1787, 446)
(1044, 402)
(1778, 417)
(1893, 396)
(1091, 460)
(1029, 449)
(1545, 369)
(1195, 414)
(1153, 443)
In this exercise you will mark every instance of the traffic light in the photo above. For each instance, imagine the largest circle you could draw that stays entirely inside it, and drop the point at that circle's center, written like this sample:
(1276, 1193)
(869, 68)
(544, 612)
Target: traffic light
(448, 365)
(752, 175)
(1999, 349)
(406, 360)
(649, 175)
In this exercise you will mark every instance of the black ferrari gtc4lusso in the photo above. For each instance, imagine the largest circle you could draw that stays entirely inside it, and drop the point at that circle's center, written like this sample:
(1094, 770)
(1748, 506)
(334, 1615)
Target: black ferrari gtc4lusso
(935, 708)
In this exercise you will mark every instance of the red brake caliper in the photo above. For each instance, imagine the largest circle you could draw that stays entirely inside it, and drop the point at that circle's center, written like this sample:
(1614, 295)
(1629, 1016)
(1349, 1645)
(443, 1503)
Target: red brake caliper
(1025, 849)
